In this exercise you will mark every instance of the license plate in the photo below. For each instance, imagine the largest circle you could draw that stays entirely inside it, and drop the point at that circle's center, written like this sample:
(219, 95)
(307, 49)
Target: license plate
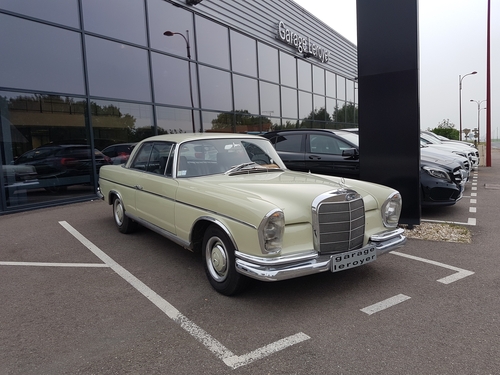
(351, 259)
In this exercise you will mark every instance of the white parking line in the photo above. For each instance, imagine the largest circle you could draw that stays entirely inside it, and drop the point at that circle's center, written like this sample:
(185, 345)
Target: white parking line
(197, 332)
(389, 302)
(41, 264)
(460, 274)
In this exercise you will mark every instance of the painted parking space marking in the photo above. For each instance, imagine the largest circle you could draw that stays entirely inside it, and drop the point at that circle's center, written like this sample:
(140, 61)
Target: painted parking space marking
(473, 201)
(224, 354)
(470, 221)
(385, 304)
(472, 209)
(42, 264)
(460, 273)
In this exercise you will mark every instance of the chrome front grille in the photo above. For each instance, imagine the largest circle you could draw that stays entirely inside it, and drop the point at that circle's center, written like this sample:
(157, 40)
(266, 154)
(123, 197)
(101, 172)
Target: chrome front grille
(338, 222)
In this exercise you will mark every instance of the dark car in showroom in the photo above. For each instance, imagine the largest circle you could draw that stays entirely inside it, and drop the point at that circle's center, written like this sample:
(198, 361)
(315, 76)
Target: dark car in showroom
(336, 152)
(58, 166)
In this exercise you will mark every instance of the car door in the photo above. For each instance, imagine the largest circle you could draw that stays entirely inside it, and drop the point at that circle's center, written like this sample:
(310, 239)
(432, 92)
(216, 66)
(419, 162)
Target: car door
(291, 149)
(324, 156)
(155, 187)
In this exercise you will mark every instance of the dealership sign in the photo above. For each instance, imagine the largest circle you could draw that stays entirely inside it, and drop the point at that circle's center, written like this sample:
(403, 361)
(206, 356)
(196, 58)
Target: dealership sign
(302, 44)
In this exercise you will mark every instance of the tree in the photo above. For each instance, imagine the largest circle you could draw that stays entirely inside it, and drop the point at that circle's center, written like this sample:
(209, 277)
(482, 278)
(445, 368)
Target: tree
(446, 129)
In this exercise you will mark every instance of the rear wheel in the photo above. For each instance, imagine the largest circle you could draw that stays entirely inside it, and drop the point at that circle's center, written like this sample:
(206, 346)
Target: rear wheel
(123, 222)
(219, 262)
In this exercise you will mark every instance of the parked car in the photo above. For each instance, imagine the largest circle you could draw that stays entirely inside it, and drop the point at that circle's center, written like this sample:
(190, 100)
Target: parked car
(59, 166)
(336, 153)
(230, 197)
(458, 148)
(119, 152)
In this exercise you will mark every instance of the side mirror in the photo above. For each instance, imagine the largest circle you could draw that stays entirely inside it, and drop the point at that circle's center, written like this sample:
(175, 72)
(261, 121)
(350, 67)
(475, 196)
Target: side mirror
(350, 153)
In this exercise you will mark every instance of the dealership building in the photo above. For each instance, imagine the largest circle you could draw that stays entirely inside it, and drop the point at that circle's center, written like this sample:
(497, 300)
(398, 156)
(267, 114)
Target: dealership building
(81, 75)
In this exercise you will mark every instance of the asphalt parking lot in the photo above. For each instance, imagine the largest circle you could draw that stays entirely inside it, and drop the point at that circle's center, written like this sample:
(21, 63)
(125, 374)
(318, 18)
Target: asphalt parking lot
(78, 297)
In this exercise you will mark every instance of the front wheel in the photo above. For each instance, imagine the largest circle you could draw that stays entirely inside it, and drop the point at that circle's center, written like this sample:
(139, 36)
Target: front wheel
(219, 262)
(122, 221)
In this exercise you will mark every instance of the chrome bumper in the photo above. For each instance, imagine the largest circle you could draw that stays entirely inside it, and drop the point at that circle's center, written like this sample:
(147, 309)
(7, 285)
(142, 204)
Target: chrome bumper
(288, 267)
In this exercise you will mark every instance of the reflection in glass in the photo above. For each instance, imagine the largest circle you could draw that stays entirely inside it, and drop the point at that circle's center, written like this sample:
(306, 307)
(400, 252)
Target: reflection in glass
(268, 63)
(171, 81)
(318, 80)
(40, 63)
(331, 85)
(119, 19)
(45, 151)
(175, 120)
(235, 122)
(319, 107)
(305, 105)
(215, 89)
(119, 122)
(289, 102)
(164, 16)
(117, 70)
(288, 70)
(243, 54)
(269, 99)
(64, 12)
(245, 94)
(213, 43)
(341, 88)
(350, 91)
(304, 75)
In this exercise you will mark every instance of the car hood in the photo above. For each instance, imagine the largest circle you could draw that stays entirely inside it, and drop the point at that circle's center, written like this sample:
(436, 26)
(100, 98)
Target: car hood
(438, 160)
(250, 196)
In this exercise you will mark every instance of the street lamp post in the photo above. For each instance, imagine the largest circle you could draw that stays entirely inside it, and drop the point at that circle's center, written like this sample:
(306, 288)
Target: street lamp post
(460, 79)
(478, 102)
(188, 49)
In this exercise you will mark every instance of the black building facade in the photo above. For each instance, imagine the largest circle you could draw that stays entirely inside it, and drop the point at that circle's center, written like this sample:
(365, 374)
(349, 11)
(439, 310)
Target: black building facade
(81, 75)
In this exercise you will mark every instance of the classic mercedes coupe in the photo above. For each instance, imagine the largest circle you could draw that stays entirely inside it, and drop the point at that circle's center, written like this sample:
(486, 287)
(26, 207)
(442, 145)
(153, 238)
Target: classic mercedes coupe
(230, 197)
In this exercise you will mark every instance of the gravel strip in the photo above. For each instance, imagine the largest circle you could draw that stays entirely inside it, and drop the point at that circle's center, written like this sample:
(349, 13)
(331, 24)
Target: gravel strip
(439, 232)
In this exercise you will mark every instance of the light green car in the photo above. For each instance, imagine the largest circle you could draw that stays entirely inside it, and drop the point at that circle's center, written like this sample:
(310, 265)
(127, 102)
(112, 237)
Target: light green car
(230, 197)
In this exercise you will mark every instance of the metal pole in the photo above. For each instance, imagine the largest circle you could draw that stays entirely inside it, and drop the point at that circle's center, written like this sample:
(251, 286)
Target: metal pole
(188, 50)
(460, 79)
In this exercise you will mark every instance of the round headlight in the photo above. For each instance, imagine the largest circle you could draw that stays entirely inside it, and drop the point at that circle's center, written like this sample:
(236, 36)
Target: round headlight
(271, 231)
(391, 209)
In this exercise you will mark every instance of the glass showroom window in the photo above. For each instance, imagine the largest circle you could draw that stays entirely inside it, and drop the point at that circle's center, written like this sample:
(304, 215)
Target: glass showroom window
(63, 12)
(246, 94)
(268, 63)
(270, 99)
(215, 88)
(318, 80)
(288, 70)
(120, 122)
(331, 85)
(243, 54)
(171, 81)
(45, 150)
(119, 19)
(305, 75)
(34, 61)
(289, 102)
(117, 70)
(164, 16)
(176, 120)
(213, 43)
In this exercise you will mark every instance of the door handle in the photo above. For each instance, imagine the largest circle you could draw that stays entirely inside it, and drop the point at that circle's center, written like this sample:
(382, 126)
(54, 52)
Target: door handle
(139, 187)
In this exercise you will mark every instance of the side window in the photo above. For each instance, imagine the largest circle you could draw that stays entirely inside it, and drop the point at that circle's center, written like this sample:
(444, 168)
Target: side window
(324, 144)
(288, 143)
(160, 156)
(142, 157)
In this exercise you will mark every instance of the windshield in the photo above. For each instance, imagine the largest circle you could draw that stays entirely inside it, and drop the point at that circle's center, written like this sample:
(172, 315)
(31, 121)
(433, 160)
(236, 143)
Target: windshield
(213, 156)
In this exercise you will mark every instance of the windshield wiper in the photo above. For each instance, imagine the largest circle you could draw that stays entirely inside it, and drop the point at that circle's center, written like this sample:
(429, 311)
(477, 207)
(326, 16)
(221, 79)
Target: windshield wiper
(250, 167)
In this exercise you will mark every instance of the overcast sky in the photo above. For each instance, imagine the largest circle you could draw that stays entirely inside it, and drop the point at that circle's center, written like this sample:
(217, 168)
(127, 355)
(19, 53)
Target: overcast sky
(452, 38)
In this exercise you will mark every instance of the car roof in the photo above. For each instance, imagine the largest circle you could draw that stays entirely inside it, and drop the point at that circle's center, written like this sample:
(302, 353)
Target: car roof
(183, 137)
